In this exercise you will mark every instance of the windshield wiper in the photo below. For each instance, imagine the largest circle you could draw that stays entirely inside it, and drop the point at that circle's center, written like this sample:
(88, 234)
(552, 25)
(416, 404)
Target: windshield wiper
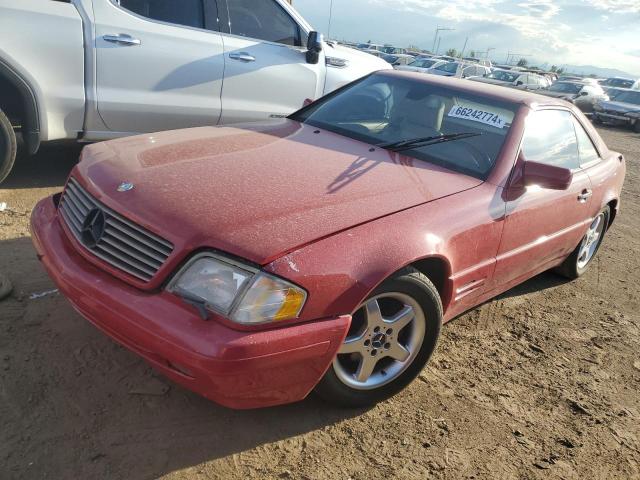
(424, 141)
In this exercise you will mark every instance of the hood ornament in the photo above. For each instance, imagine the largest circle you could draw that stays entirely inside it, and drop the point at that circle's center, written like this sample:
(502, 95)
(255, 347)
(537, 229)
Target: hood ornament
(125, 187)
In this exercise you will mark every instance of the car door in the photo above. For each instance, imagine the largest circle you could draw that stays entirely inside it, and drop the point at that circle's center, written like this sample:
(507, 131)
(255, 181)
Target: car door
(266, 73)
(542, 226)
(159, 64)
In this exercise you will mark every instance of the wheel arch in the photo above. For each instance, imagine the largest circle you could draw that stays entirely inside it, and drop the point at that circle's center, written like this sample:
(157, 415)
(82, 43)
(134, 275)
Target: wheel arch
(613, 210)
(437, 269)
(20, 101)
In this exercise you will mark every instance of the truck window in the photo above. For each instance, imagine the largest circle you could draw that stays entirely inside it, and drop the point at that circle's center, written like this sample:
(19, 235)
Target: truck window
(264, 20)
(186, 12)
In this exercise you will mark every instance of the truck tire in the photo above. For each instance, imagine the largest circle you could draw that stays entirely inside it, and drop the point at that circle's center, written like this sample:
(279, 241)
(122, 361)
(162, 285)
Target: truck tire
(8, 146)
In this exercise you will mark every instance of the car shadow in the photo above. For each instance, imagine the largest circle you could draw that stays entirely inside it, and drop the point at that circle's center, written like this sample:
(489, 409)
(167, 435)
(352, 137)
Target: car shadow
(49, 167)
(89, 408)
(542, 281)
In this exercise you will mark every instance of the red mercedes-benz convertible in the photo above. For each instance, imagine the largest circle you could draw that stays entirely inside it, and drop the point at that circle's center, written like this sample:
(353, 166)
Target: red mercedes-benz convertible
(256, 263)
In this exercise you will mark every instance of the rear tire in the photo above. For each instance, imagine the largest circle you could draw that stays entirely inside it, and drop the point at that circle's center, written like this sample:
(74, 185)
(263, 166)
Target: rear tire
(399, 340)
(8, 146)
(578, 262)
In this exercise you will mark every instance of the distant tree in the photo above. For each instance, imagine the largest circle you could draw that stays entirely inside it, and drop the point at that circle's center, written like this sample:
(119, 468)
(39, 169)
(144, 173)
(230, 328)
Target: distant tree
(522, 62)
(560, 71)
(554, 69)
(472, 54)
(452, 52)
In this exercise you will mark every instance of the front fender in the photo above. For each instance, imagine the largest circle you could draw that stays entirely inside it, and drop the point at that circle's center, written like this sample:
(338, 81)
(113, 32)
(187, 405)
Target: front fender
(340, 271)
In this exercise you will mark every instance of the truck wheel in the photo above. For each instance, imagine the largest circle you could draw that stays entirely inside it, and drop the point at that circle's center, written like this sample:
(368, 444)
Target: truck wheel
(8, 146)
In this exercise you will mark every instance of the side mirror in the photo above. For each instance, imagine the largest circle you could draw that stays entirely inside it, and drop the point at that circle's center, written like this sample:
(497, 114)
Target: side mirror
(584, 94)
(314, 47)
(546, 176)
(307, 101)
(519, 82)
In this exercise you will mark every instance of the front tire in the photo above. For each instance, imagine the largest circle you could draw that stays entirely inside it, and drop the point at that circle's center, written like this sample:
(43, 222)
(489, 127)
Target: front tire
(391, 338)
(578, 262)
(8, 146)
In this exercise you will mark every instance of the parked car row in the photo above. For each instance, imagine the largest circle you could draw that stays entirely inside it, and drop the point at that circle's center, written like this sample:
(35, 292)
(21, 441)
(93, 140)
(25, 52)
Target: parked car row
(593, 96)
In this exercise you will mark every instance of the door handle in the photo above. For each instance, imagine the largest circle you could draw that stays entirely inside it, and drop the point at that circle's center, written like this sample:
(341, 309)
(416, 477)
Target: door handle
(242, 56)
(122, 39)
(584, 196)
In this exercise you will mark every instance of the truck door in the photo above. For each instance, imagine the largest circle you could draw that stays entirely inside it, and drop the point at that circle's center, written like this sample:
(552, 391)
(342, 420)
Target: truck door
(159, 64)
(266, 72)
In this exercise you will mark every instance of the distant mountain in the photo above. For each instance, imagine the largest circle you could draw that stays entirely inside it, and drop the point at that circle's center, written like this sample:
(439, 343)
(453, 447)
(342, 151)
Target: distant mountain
(597, 71)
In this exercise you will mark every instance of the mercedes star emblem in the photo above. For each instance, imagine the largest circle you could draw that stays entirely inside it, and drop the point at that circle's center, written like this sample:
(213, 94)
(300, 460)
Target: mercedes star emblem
(93, 227)
(125, 187)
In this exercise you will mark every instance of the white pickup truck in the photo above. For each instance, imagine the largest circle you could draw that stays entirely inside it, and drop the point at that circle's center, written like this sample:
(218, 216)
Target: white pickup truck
(91, 70)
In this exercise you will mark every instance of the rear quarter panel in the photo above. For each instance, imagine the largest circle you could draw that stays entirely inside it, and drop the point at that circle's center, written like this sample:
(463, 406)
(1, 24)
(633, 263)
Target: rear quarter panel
(43, 42)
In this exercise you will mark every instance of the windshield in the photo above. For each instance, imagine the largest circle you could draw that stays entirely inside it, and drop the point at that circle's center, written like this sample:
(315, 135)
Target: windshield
(383, 110)
(503, 76)
(390, 58)
(422, 63)
(451, 67)
(628, 97)
(390, 50)
(566, 87)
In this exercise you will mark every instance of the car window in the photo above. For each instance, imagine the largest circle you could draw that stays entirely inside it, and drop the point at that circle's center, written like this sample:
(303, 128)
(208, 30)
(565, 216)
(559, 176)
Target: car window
(550, 138)
(186, 12)
(586, 149)
(264, 20)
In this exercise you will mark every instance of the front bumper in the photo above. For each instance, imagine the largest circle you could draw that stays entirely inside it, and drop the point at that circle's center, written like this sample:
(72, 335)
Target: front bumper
(238, 369)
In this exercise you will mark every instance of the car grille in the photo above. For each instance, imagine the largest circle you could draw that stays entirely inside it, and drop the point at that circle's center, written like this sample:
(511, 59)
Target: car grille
(111, 237)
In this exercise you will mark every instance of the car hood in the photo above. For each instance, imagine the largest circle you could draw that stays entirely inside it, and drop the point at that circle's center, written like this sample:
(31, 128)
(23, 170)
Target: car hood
(621, 107)
(257, 191)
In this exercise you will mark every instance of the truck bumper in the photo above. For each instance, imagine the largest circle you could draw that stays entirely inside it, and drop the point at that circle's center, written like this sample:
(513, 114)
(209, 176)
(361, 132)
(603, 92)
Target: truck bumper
(238, 369)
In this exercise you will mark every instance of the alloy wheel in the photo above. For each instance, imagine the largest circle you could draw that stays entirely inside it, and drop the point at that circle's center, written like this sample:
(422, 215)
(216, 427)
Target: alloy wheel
(386, 335)
(591, 241)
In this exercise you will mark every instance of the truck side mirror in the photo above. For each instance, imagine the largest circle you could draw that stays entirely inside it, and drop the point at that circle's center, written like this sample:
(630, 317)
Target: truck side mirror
(314, 47)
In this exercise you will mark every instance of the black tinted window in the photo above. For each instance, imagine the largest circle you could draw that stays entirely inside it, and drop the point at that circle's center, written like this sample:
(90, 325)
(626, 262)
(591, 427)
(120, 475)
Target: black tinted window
(550, 138)
(264, 20)
(184, 12)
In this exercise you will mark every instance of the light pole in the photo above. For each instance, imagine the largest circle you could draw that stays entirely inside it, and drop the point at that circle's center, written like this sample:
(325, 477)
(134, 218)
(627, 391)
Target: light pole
(330, 18)
(438, 30)
(486, 54)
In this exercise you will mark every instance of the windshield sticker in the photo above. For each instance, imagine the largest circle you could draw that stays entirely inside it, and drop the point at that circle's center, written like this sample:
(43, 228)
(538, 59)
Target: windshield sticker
(478, 115)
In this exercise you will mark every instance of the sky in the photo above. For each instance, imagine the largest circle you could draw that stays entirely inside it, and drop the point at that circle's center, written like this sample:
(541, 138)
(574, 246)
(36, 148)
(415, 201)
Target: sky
(604, 33)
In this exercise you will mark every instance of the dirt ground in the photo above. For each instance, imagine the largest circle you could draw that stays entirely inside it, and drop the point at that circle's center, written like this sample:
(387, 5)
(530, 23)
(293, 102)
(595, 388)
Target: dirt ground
(542, 382)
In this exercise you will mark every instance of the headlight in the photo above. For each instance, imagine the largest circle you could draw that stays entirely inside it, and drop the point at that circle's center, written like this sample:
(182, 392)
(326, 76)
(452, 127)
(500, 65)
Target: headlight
(242, 293)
